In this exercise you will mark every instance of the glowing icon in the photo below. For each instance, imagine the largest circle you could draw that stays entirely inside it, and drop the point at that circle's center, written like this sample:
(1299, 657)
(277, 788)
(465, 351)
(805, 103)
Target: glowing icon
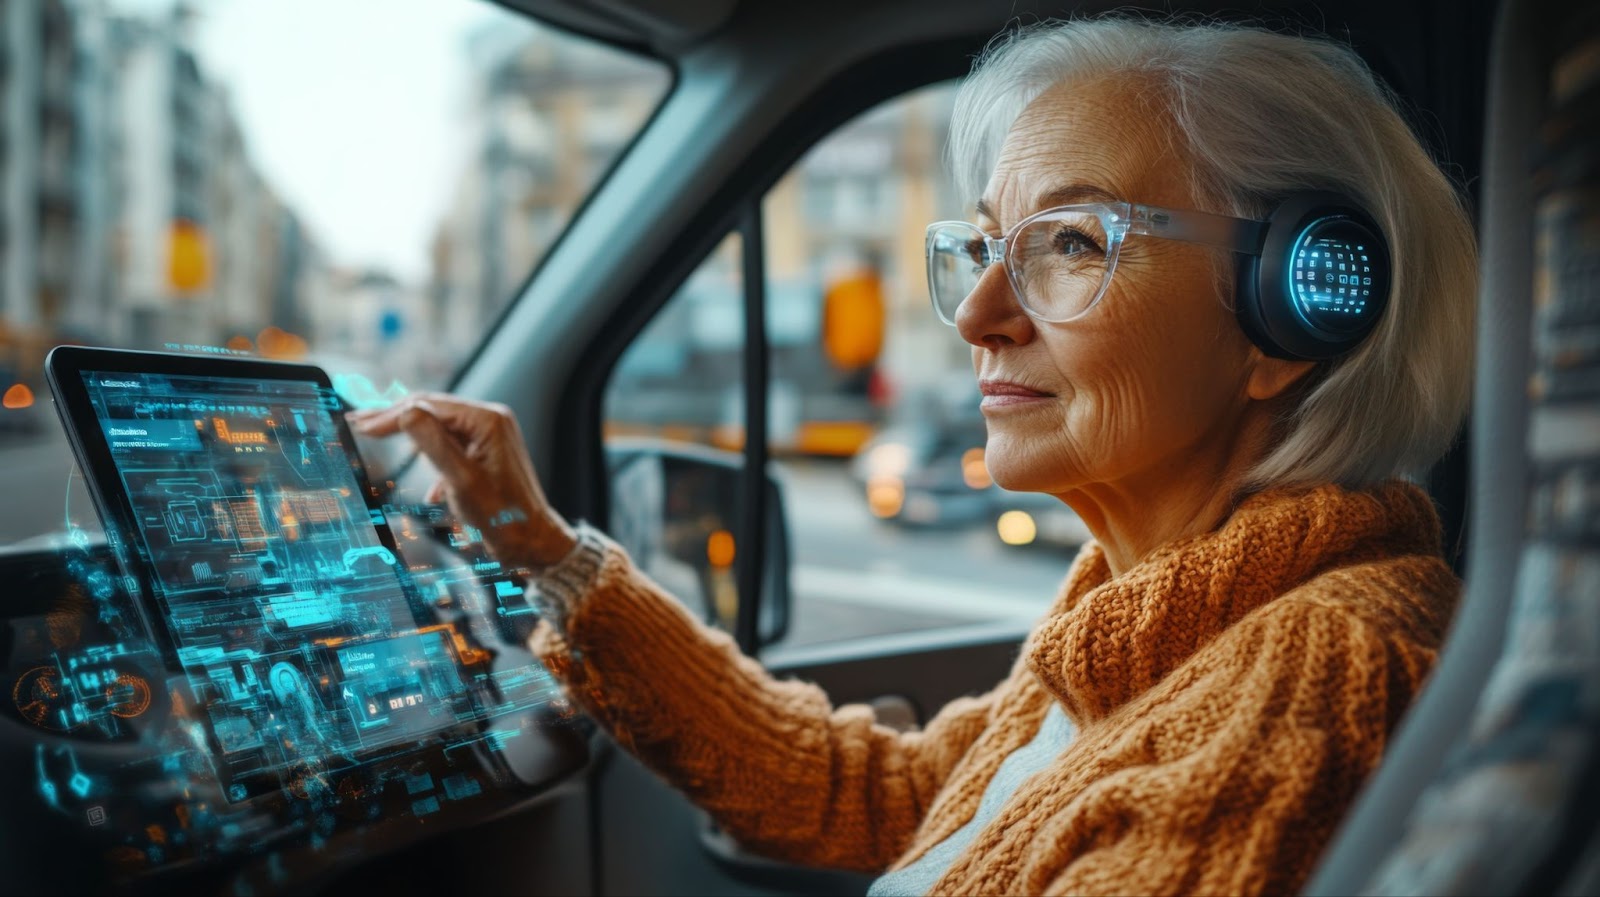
(129, 696)
(284, 680)
(40, 698)
(237, 437)
(377, 551)
(184, 521)
(79, 783)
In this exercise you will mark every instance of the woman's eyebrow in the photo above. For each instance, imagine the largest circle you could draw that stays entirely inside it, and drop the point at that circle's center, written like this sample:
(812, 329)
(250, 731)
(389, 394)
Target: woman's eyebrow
(1074, 193)
(1059, 196)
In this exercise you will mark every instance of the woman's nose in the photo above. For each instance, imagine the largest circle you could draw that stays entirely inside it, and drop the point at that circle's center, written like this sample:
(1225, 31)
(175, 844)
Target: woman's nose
(991, 316)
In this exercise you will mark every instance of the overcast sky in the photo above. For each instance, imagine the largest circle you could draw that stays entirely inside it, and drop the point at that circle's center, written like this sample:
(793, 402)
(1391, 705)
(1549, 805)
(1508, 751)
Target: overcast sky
(352, 109)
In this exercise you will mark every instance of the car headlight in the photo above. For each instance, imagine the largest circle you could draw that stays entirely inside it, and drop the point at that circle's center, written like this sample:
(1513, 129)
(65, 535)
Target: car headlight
(974, 472)
(891, 459)
(1017, 528)
(885, 496)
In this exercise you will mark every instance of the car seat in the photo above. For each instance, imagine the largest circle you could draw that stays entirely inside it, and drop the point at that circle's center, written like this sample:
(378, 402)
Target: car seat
(1490, 784)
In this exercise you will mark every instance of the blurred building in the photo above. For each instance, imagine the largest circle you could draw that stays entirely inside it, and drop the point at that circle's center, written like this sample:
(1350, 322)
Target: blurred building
(131, 212)
(375, 328)
(545, 117)
(54, 194)
(848, 321)
(858, 204)
(207, 253)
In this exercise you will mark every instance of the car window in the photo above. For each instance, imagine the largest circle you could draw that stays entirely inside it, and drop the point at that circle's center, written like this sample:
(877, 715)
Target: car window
(873, 414)
(361, 184)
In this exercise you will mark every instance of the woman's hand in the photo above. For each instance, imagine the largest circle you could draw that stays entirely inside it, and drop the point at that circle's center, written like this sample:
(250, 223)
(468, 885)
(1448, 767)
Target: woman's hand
(487, 476)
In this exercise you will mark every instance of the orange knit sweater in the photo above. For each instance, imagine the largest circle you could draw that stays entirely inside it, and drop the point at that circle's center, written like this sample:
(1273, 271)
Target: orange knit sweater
(1230, 693)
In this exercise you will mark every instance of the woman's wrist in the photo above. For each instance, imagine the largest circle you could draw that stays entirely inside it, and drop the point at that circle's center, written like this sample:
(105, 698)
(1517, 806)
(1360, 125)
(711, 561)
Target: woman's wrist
(532, 545)
(561, 586)
(553, 543)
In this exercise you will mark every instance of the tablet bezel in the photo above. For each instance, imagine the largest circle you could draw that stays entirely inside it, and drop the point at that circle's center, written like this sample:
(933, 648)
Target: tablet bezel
(64, 370)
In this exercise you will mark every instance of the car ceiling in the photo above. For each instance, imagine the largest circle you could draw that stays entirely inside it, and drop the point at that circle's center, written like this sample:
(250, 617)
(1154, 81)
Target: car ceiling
(1403, 40)
(662, 26)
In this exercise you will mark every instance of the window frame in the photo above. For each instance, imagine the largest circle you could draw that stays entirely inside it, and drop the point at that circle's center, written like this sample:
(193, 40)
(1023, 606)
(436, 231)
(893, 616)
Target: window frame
(736, 207)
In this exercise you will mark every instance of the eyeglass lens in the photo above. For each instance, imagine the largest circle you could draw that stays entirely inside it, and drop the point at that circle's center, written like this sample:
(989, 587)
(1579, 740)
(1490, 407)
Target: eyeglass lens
(1058, 264)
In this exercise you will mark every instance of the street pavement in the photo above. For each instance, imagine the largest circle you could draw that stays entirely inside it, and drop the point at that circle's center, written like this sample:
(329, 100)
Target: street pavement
(855, 575)
(35, 470)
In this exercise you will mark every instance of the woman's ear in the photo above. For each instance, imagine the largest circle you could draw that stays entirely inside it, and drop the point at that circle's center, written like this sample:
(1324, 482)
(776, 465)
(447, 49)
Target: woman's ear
(1272, 377)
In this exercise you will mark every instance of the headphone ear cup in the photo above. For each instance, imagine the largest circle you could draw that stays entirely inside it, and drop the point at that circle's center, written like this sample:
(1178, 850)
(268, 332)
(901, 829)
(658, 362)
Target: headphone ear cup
(1321, 282)
(1247, 304)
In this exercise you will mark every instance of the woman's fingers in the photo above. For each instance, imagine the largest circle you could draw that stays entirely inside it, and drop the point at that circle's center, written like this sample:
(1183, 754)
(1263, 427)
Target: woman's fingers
(374, 421)
(457, 414)
(420, 422)
(486, 473)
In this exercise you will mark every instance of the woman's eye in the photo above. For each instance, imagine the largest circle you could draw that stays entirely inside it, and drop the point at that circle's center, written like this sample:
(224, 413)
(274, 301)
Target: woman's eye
(976, 251)
(1071, 241)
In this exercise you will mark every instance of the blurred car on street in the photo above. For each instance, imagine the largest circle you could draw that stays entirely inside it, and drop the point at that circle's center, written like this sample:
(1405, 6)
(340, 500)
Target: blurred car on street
(926, 467)
(1037, 519)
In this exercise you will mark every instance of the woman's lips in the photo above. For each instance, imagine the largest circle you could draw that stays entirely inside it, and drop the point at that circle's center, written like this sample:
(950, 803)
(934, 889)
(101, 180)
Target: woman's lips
(1003, 393)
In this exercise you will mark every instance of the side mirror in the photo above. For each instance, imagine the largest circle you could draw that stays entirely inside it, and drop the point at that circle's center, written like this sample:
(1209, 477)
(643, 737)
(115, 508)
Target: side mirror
(676, 508)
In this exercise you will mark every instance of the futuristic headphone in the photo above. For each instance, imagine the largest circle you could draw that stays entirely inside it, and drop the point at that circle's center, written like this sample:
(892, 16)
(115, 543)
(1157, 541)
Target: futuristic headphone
(1320, 282)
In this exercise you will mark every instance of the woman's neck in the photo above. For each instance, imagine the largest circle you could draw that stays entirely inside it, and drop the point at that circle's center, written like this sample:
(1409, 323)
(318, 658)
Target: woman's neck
(1179, 497)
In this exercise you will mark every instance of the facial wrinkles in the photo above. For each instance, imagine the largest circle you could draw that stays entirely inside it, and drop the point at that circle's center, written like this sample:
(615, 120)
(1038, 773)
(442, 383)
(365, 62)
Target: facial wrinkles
(1113, 371)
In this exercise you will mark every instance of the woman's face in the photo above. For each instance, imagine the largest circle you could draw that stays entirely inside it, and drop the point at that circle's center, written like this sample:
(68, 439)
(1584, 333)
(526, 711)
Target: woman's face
(1152, 381)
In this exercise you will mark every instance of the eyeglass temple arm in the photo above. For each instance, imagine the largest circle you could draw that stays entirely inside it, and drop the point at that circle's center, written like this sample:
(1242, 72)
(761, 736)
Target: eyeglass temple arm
(1238, 234)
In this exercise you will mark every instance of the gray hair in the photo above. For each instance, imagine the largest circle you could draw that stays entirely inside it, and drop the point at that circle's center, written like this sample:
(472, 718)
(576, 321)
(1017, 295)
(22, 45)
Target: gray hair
(1243, 100)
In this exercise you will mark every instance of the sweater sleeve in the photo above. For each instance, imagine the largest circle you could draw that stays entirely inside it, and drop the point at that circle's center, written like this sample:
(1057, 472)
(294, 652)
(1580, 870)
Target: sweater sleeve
(1230, 776)
(776, 765)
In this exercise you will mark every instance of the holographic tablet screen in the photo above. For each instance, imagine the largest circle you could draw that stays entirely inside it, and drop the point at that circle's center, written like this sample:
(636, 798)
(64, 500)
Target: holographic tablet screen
(248, 510)
(246, 516)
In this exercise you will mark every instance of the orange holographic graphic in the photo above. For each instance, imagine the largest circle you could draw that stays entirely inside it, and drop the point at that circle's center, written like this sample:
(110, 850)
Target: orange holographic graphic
(238, 437)
(129, 696)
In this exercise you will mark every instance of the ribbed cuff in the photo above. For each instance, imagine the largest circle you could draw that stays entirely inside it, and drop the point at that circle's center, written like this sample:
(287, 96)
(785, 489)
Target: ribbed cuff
(563, 585)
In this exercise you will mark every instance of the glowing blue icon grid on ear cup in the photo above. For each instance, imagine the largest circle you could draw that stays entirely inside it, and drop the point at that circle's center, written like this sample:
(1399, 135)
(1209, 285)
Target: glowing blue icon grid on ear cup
(1332, 280)
(1334, 275)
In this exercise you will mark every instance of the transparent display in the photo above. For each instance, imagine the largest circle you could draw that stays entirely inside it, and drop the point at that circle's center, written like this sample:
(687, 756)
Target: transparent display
(300, 629)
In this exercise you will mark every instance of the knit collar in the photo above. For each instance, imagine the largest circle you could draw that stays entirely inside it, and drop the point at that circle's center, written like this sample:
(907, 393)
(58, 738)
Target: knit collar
(1107, 640)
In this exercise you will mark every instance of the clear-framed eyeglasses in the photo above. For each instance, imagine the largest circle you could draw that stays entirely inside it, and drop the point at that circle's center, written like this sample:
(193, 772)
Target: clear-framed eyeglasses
(1059, 261)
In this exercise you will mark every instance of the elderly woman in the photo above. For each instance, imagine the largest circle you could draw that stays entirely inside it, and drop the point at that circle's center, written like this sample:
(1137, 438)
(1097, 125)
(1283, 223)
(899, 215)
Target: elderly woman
(1220, 302)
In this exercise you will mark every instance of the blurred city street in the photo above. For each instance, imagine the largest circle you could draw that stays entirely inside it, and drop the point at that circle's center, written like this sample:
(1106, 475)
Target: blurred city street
(33, 486)
(855, 576)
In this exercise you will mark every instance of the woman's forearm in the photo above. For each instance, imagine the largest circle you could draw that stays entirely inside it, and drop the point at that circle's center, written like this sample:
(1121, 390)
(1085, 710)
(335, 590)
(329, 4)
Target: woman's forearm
(781, 770)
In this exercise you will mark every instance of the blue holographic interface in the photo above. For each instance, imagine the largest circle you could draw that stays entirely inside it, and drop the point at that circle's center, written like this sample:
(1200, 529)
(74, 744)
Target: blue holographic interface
(302, 635)
(1332, 278)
